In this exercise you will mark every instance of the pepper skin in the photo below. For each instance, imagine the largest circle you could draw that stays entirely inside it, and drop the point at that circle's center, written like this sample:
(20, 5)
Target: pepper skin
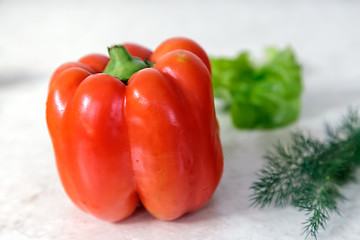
(154, 140)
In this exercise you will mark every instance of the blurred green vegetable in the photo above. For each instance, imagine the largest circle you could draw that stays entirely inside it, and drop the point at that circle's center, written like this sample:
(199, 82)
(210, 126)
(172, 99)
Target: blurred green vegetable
(264, 96)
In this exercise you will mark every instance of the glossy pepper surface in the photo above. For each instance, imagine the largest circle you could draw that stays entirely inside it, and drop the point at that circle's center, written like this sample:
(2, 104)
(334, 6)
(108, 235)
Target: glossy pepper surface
(138, 128)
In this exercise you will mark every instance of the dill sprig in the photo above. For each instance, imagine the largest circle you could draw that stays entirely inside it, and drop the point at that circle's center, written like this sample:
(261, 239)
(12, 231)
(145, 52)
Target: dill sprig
(308, 173)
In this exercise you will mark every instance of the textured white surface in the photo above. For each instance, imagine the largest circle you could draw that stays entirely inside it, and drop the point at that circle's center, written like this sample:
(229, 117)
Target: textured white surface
(37, 36)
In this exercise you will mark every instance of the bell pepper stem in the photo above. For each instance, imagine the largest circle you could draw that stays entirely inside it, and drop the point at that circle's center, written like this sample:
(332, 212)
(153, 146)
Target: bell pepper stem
(122, 65)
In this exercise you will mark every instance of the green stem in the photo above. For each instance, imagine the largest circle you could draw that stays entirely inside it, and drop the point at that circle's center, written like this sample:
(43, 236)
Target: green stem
(122, 65)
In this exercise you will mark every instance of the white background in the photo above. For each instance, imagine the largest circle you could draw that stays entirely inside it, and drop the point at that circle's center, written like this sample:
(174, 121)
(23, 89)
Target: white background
(37, 36)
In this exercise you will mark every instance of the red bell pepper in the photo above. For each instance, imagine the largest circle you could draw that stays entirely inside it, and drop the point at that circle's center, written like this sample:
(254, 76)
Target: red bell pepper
(151, 137)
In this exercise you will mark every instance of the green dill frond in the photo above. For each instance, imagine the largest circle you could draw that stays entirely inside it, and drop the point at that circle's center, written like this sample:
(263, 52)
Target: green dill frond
(307, 173)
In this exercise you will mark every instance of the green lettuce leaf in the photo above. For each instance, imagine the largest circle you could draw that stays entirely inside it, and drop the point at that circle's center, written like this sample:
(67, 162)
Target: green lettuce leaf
(259, 96)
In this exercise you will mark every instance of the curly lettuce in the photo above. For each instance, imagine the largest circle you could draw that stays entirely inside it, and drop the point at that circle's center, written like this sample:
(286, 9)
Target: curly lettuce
(259, 96)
